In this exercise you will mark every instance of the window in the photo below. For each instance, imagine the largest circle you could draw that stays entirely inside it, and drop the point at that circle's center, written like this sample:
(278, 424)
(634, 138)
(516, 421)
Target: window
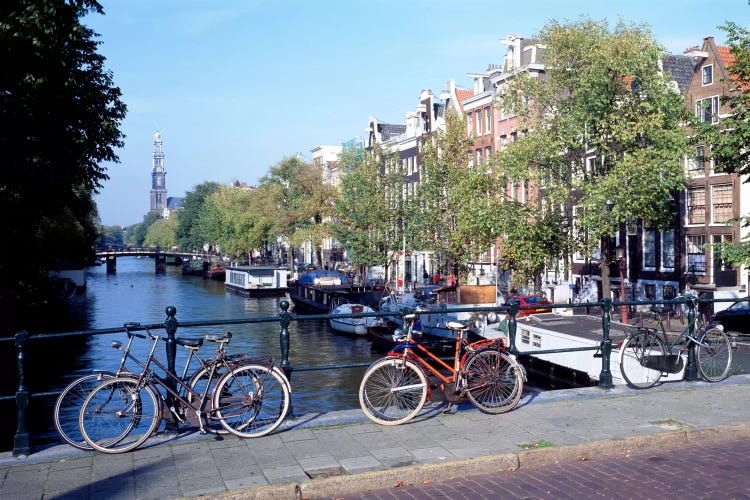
(479, 122)
(697, 165)
(487, 120)
(487, 153)
(479, 156)
(719, 263)
(469, 123)
(650, 291)
(707, 110)
(696, 254)
(708, 74)
(667, 250)
(721, 203)
(668, 292)
(696, 205)
(649, 249)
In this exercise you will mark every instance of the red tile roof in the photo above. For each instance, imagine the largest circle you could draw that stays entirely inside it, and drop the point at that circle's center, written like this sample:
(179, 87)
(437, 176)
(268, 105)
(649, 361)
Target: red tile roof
(462, 95)
(726, 55)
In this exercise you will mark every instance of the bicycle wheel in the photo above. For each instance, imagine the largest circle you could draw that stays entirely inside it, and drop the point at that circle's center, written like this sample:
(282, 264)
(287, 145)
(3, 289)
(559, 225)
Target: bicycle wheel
(714, 355)
(69, 404)
(638, 359)
(119, 415)
(198, 383)
(393, 391)
(252, 400)
(494, 382)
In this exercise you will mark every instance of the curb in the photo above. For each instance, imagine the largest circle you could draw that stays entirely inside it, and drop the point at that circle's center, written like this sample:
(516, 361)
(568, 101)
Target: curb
(332, 487)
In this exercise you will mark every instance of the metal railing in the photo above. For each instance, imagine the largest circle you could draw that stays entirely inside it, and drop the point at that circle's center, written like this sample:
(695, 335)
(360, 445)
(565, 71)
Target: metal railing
(22, 395)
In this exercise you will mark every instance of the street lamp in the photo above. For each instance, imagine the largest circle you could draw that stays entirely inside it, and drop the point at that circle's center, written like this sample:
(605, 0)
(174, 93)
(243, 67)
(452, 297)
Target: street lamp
(620, 252)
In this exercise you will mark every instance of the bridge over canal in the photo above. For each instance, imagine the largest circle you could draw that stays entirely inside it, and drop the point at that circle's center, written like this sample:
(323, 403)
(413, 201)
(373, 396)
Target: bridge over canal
(159, 255)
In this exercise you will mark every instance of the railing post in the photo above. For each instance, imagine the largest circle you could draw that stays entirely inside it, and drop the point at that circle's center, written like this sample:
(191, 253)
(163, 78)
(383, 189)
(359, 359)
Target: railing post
(512, 325)
(285, 318)
(605, 376)
(170, 326)
(691, 371)
(21, 446)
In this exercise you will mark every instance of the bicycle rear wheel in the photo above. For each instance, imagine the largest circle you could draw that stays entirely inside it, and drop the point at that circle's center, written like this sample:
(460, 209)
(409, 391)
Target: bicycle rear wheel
(198, 383)
(393, 391)
(252, 400)
(119, 415)
(637, 359)
(714, 355)
(494, 382)
(69, 404)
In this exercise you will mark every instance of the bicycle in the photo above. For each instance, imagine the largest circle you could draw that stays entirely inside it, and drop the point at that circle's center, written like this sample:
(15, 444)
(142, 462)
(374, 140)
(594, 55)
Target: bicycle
(394, 388)
(250, 399)
(69, 402)
(647, 354)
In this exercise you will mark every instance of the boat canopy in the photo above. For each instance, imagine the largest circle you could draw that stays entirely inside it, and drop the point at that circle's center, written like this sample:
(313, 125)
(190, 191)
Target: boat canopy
(323, 277)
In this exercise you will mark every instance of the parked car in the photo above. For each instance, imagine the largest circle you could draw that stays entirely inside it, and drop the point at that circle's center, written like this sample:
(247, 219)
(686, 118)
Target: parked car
(736, 318)
(531, 300)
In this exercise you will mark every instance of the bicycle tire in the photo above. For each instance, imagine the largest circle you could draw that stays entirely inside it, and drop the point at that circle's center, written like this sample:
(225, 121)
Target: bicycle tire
(198, 384)
(393, 391)
(494, 382)
(120, 415)
(635, 352)
(713, 354)
(252, 400)
(69, 403)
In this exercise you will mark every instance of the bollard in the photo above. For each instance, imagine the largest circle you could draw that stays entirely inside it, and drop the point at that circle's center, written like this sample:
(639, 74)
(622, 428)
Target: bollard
(605, 376)
(512, 325)
(285, 318)
(21, 446)
(691, 371)
(170, 326)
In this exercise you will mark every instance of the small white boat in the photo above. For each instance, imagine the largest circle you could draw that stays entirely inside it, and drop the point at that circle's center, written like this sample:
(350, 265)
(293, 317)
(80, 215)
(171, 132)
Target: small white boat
(354, 326)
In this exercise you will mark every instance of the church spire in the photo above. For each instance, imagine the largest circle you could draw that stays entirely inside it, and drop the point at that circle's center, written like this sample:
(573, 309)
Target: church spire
(158, 177)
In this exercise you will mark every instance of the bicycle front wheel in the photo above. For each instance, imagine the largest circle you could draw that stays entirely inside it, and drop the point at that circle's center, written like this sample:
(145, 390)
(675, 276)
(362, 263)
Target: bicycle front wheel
(119, 415)
(252, 400)
(198, 383)
(494, 382)
(393, 391)
(639, 359)
(69, 404)
(714, 355)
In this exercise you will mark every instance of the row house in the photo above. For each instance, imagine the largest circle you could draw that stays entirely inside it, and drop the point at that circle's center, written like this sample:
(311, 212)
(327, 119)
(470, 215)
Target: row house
(714, 201)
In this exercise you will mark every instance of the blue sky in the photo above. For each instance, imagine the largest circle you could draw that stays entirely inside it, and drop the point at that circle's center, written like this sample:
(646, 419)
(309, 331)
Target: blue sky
(235, 86)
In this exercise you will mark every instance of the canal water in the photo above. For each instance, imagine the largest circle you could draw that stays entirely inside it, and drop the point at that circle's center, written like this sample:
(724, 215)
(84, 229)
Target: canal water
(136, 293)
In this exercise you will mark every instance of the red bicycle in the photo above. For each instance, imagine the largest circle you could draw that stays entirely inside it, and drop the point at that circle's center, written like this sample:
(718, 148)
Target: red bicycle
(394, 389)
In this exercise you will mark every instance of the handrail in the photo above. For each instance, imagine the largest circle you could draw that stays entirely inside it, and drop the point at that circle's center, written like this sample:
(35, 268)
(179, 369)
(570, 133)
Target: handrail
(22, 396)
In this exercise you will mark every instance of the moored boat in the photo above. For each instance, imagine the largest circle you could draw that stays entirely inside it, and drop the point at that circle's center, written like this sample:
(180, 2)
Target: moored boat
(256, 281)
(354, 326)
(318, 290)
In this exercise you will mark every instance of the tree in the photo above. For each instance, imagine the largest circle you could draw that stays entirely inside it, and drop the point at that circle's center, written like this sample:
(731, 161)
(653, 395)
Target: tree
(60, 115)
(455, 210)
(601, 125)
(162, 233)
(189, 231)
(298, 203)
(226, 218)
(365, 221)
(729, 142)
(136, 234)
(110, 235)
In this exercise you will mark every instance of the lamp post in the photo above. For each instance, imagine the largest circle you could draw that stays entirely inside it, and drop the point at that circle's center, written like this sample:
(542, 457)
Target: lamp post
(620, 252)
(606, 258)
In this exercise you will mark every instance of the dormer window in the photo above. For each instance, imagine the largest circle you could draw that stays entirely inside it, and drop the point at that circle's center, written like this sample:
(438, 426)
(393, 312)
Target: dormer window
(708, 74)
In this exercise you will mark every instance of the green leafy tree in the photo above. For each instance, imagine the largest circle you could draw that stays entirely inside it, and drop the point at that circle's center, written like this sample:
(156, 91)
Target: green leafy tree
(729, 142)
(366, 224)
(162, 233)
(227, 220)
(455, 207)
(190, 235)
(60, 115)
(603, 96)
(110, 235)
(298, 203)
(136, 234)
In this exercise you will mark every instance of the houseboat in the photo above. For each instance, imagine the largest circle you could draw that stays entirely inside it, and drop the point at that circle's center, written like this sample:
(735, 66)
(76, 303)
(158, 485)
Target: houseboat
(256, 281)
(318, 290)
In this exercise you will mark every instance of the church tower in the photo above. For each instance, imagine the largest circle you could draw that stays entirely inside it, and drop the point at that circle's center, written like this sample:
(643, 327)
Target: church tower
(158, 174)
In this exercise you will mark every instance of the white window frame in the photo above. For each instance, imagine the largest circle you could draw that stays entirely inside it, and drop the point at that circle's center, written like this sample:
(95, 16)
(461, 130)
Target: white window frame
(710, 68)
(488, 120)
(645, 246)
(665, 253)
(713, 108)
(714, 189)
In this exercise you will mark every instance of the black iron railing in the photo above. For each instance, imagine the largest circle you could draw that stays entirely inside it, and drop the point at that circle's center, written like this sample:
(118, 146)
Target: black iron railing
(603, 349)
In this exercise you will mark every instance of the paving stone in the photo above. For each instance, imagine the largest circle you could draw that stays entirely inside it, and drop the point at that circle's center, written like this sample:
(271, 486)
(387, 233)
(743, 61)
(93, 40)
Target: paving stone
(319, 465)
(360, 464)
(284, 474)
